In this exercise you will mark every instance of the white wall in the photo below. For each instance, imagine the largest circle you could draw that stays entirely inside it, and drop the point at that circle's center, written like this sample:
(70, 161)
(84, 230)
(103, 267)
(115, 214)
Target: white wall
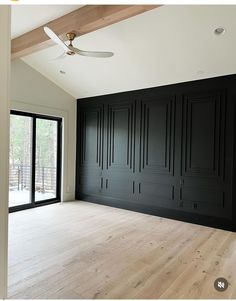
(4, 142)
(31, 92)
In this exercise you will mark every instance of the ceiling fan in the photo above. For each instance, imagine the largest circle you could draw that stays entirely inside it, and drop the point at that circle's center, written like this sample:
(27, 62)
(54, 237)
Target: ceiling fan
(70, 49)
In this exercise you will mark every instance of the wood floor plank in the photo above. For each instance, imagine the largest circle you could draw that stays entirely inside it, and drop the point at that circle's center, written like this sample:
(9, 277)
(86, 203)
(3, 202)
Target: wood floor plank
(83, 250)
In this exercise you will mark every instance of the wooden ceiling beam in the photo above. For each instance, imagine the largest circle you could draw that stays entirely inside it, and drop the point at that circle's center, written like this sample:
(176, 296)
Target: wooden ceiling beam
(81, 21)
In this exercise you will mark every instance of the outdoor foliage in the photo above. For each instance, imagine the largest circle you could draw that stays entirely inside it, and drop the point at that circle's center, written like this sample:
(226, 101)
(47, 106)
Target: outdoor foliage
(20, 141)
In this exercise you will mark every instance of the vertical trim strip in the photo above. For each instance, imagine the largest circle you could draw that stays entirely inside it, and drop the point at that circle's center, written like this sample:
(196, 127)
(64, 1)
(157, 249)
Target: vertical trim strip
(5, 25)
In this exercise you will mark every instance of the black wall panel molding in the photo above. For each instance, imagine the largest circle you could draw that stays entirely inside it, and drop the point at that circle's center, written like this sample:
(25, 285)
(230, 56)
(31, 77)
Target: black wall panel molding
(209, 132)
(91, 133)
(157, 135)
(120, 139)
(167, 151)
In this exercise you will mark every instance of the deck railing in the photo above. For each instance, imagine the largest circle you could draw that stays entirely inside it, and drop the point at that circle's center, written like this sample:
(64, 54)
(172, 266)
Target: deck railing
(20, 178)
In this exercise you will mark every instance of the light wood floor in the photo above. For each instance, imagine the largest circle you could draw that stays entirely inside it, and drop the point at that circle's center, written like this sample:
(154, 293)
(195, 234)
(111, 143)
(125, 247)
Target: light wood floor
(82, 250)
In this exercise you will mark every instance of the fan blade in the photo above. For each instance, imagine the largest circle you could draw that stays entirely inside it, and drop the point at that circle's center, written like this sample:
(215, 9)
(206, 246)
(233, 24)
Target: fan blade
(55, 38)
(98, 54)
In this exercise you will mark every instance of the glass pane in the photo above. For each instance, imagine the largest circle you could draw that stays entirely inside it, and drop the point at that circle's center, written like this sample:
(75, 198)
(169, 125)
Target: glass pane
(46, 159)
(20, 160)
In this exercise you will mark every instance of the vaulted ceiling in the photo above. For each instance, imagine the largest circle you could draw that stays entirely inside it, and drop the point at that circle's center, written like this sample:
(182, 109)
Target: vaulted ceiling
(28, 17)
(166, 45)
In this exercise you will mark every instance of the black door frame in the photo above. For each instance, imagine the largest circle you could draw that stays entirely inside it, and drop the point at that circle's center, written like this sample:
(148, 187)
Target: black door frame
(57, 199)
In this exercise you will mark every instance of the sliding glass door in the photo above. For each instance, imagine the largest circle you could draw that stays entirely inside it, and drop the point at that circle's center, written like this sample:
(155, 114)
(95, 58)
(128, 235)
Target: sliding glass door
(35, 159)
(20, 182)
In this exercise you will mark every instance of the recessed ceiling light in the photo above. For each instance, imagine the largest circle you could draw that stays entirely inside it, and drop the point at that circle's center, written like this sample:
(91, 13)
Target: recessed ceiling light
(219, 30)
(62, 72)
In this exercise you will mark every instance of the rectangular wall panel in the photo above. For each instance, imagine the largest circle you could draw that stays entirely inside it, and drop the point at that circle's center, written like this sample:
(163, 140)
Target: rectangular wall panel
(91, 147)
(90, 183)
(203, 153)
(157, 135)
(118, 186)
(120, 136)
(157, 148)
(203, 134)
(157, 194)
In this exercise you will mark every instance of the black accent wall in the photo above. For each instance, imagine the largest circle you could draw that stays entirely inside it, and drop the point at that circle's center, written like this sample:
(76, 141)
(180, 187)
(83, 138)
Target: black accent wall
(167, 151)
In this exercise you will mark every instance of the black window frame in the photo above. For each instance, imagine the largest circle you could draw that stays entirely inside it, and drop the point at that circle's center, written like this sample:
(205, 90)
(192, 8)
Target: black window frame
(57, 199)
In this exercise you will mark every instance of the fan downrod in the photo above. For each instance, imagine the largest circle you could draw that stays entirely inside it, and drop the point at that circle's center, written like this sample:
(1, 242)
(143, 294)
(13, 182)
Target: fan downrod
(71, 36)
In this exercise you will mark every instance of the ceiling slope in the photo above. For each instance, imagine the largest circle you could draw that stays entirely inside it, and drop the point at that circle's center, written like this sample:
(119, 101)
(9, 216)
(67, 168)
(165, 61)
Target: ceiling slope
(83, 20)
(167, 45)
(25, 18)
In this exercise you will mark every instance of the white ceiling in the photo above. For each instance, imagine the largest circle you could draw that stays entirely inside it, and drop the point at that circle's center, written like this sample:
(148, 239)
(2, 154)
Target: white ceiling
(167, 45)
(29, 17)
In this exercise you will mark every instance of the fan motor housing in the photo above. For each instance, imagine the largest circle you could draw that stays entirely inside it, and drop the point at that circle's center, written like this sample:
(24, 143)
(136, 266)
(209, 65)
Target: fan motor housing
(71, 36)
